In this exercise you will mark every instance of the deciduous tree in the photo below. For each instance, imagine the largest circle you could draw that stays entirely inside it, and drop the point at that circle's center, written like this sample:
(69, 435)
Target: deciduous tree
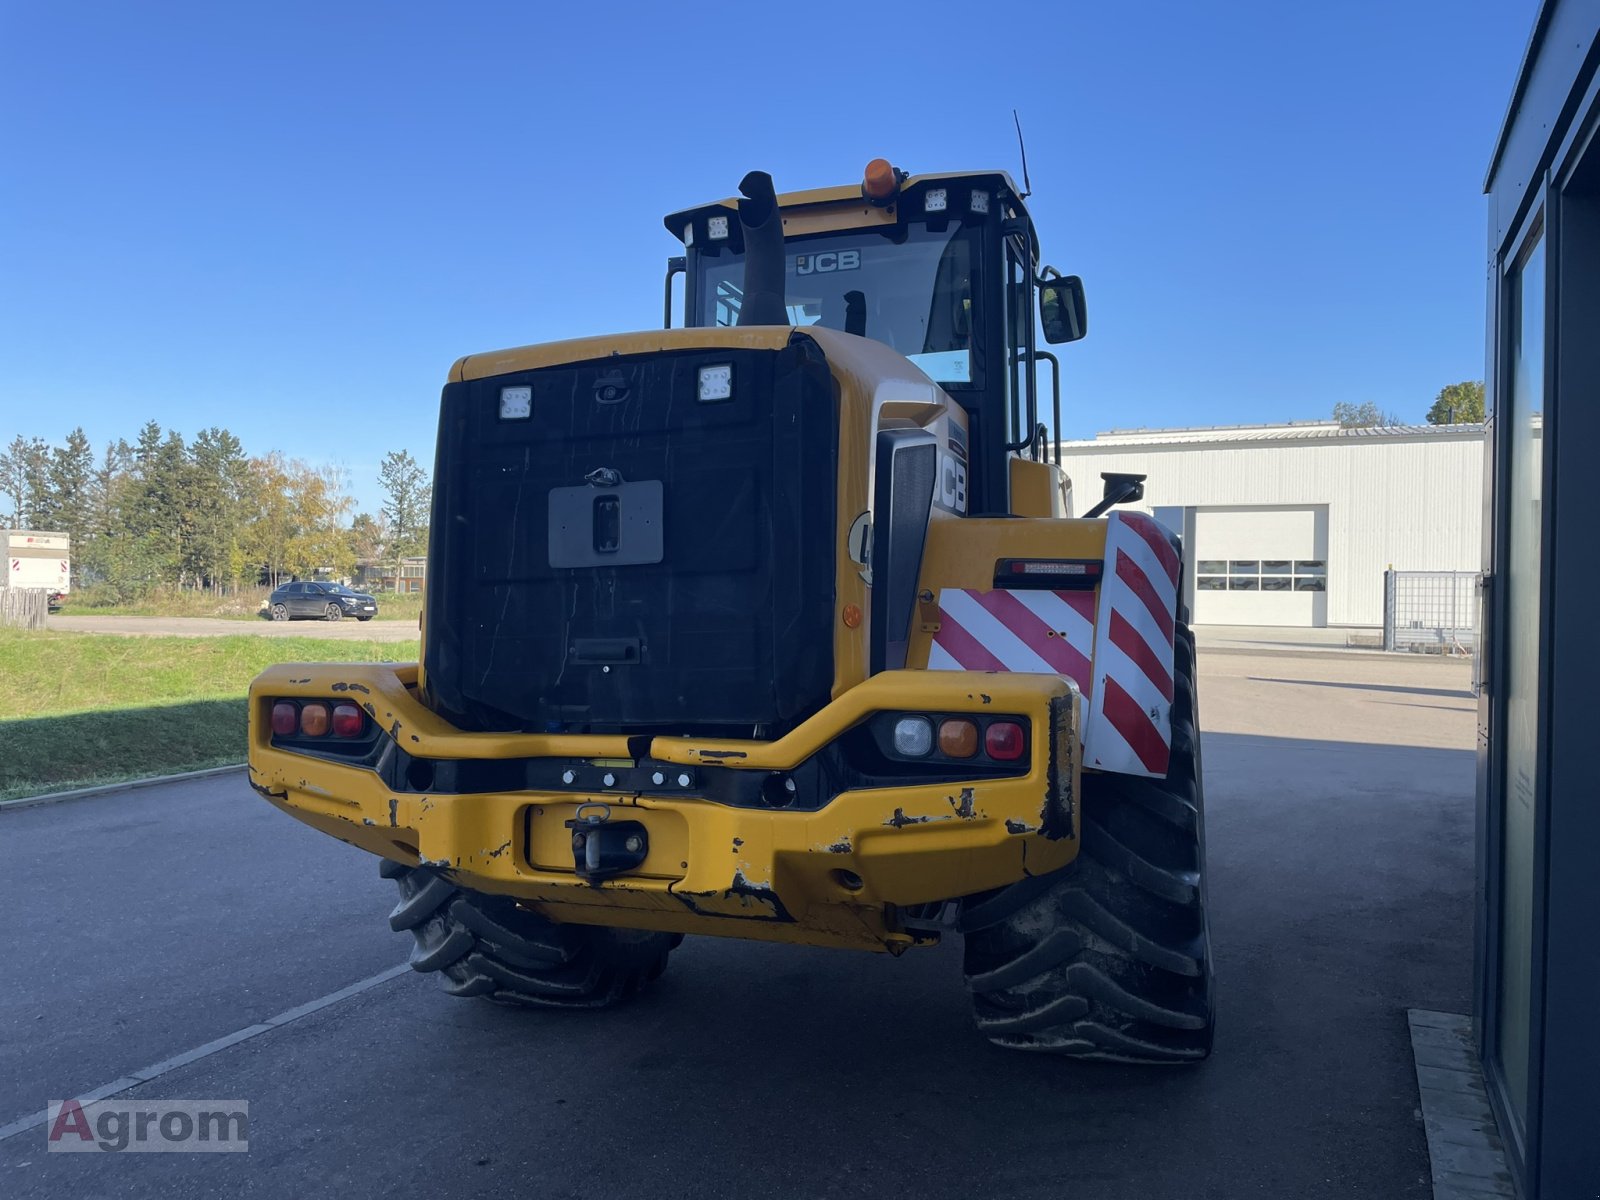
(1458, 403)
(1363, 415)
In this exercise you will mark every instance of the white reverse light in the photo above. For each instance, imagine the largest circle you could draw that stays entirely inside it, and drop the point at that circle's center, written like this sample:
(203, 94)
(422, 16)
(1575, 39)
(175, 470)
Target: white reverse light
(717, 228)
(935, 200)
(688, 234)
(913, 736)
(516, 403)
(980, 202)
(716, 382)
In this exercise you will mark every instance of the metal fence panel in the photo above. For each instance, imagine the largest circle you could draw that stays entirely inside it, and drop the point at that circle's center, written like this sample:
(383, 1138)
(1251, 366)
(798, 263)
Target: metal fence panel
(1430, 611)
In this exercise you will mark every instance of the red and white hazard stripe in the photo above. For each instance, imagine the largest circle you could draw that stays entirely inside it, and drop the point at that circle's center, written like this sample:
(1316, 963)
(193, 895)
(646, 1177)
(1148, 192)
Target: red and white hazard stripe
(1045, 633)
(1118, 651)
(1129, 728)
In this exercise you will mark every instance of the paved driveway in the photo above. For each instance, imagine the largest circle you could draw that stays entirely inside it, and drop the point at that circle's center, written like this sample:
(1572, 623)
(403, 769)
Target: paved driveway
(144, 925)
(350, 631)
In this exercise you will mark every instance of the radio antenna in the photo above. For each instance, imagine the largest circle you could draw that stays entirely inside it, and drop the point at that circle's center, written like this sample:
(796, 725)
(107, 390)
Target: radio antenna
(1027, 187)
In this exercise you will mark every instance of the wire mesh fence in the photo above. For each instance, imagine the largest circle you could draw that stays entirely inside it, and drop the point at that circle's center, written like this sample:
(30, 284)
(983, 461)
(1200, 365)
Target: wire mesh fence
(1430, 612)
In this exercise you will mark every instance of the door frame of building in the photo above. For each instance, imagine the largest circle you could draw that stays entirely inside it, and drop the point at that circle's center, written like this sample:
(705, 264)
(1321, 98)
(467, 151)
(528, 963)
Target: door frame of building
(1553, 1148)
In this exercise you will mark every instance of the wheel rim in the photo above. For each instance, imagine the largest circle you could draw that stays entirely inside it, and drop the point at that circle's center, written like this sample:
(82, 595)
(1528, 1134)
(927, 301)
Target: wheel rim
(280, 613)
(334, 612)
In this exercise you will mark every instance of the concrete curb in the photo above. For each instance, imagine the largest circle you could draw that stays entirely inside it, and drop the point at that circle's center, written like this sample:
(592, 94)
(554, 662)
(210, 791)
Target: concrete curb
(107, 788)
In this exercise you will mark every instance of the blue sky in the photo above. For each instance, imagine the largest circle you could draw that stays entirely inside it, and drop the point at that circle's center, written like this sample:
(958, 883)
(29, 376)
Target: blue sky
(289, 219)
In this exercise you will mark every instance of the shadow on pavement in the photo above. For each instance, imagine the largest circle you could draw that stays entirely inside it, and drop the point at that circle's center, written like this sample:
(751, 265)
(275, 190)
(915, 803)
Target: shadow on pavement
(1454, 693)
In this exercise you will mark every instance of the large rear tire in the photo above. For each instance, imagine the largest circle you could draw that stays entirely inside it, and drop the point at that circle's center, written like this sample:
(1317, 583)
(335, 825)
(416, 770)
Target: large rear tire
(488, 946)
(1110, 957)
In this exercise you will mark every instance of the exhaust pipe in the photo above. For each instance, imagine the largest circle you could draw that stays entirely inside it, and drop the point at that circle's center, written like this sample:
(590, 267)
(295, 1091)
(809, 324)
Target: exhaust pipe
(764, 302)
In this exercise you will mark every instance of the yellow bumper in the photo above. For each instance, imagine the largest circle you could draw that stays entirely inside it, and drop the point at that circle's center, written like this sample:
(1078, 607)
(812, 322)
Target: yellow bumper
(836, 876)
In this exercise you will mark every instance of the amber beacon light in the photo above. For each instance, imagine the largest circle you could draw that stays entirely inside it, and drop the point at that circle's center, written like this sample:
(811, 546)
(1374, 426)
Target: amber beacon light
(880, 181)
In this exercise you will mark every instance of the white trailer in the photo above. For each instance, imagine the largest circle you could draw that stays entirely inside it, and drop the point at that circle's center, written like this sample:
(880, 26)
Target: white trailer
(37, 559)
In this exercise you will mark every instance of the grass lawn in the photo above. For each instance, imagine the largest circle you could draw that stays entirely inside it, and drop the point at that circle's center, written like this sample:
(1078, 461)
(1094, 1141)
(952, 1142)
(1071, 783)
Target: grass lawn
(81, 708)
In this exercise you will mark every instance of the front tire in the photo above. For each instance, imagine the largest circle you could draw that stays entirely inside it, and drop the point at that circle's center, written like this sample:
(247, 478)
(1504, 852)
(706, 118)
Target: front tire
(334, 612)
(1110, 957)
(487, 946)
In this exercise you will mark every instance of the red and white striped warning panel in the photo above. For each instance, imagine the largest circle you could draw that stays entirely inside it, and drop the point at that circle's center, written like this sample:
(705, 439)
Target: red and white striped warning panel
(1129, 730)
(1125, 674)
(1044, 633)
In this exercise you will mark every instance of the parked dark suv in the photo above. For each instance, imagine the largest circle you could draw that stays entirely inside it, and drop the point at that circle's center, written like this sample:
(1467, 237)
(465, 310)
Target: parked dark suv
(329, 601)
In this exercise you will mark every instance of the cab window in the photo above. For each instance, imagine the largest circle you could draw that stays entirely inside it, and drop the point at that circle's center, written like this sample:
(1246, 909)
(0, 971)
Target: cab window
(907, 287)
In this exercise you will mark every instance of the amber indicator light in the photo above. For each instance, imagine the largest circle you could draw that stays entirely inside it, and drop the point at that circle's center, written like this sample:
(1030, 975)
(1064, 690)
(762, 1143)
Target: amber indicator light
(958, 739)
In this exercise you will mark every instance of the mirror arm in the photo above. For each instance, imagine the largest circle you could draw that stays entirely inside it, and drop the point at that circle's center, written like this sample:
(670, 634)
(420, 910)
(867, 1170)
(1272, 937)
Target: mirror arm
(1120, 487)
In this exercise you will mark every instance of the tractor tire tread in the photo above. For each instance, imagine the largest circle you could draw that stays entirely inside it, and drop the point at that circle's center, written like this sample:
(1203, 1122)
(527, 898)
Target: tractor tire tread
(1109, 958)
(486, 946)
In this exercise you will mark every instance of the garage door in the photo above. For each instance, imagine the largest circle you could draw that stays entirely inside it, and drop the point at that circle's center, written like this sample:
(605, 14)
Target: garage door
(1261, 566)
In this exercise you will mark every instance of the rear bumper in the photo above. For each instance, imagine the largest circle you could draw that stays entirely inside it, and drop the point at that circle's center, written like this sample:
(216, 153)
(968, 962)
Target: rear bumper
(839, 875)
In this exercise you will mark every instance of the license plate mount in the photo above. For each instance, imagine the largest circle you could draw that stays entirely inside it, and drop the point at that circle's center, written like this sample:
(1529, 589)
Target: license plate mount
(617, 526)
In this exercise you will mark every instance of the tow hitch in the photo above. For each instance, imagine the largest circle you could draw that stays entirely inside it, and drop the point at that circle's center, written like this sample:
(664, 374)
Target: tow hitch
(602, 847)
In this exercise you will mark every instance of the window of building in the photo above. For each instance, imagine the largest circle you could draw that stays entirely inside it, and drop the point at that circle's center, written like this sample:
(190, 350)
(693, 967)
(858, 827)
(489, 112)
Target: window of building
(1523, 556)
(1261, 575)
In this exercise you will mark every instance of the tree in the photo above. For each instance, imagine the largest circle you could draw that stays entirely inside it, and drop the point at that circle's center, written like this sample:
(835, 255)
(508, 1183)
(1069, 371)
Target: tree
(25, 477)
(406, 509)
(1363, 415)
(321, 542)
(156, 511)
(1458, 404)
(297, 523)
(266, 536)
(71, 476)
(99, 557)
(368, 536)
(219, 483)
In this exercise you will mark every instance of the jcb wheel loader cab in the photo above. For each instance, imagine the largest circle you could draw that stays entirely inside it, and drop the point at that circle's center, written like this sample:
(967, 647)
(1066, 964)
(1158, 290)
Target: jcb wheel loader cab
(775, 627)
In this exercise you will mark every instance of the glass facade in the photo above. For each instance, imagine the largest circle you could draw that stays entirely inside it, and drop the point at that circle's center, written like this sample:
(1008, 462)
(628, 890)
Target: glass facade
(1523, 430)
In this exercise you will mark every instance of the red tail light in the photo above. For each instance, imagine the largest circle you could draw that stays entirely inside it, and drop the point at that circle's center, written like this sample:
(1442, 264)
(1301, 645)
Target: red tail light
(285, 718)
(1003, 740)
(1049, 573)
(347, 720)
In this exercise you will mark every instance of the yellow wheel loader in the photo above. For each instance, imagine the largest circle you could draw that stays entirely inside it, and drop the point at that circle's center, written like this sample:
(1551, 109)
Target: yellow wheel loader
(778, 625)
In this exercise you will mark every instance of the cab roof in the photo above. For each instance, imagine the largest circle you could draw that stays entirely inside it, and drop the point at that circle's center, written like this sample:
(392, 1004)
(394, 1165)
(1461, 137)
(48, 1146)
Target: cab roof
(849, 195)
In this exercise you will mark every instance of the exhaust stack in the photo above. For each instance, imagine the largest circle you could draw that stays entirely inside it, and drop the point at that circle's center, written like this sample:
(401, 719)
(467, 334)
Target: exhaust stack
(764, 302)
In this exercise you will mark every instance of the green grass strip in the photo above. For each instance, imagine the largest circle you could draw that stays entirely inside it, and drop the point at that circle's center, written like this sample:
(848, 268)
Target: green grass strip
(79, 709)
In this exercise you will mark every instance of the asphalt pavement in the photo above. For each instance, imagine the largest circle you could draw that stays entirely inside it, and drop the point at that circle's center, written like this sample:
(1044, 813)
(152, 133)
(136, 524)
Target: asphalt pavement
(146, 924)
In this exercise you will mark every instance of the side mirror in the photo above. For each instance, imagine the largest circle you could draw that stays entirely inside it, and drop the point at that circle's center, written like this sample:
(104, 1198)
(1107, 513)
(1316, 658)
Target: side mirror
(1120, 488)
(1062, 311)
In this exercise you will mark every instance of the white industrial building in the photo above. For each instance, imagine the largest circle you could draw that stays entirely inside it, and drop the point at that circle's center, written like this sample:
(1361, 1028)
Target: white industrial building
(1296, 524)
